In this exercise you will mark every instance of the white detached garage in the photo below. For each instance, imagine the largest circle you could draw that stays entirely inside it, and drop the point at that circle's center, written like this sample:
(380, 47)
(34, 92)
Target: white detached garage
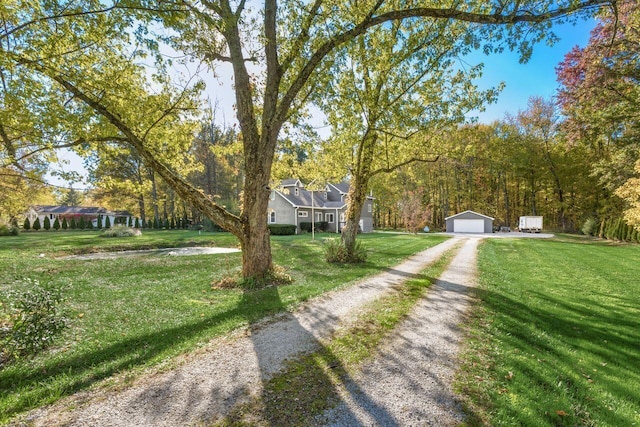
(469, 222)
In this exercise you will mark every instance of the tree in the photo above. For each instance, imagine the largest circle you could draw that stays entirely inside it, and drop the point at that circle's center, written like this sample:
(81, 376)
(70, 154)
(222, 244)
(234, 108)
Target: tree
(36, 224)
(387, 109)
(65, 225)
(414, 212)
(107, 222)
(105, 95)
(599, 93)
(27, 224)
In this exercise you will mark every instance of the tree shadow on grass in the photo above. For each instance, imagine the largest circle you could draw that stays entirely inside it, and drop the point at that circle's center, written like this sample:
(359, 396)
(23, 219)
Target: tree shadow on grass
(551, 336)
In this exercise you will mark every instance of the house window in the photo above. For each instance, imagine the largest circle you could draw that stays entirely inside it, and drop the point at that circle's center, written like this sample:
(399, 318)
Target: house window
(297, 191)
(325, 195)
(329, 218)
(369, 208)
(318, 216)
(303, 213)
(271, 217)
(50, 216)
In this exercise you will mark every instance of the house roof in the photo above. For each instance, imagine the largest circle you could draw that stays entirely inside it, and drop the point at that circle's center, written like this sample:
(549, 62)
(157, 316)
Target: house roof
(77, 210)
(471, 212)
(303, 199)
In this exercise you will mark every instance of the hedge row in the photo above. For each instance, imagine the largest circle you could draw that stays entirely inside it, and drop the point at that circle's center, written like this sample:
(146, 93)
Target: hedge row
(618, 229)
(282, 229)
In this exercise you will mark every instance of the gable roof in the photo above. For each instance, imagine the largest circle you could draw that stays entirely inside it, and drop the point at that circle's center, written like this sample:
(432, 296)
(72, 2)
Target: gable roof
(303, 199)
(77, 210)
(471, 212)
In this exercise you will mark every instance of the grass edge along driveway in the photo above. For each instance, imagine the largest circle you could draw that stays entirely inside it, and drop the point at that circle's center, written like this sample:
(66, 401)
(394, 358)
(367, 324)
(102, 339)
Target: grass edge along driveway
(554, 335)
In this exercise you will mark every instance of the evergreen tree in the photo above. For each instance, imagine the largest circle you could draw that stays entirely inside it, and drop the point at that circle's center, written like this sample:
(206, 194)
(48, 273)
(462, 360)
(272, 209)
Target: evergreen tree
(137, 223)
(36, 224)
(173, 222)
(156, 223)
(27, 224)
(81, 223)
(47, 223)
(99, 221)
(130, 224)
(89, 224)
(74, 224)
(167, 224)
(107, 222)
(65, 224)
(56, 224)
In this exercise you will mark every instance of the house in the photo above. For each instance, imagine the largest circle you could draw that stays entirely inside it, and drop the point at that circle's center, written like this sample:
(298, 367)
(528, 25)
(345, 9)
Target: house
(77, 212)
(291, 203)
(469, 222)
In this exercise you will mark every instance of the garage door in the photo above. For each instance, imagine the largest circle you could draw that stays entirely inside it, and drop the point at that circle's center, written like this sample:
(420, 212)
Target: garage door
(468, 226)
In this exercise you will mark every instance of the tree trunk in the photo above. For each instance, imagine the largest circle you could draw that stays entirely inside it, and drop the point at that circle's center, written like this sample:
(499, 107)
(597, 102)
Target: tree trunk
(356, 197)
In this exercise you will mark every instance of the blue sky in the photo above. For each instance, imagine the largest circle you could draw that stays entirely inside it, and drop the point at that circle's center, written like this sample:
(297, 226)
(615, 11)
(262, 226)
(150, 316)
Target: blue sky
(535, 78)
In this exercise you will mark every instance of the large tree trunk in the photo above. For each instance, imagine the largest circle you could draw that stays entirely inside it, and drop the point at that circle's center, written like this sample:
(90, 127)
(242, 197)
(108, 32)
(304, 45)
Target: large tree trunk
(356, 198)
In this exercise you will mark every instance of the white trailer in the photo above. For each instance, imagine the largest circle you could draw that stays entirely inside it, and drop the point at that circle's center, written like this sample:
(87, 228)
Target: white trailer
(530, 224)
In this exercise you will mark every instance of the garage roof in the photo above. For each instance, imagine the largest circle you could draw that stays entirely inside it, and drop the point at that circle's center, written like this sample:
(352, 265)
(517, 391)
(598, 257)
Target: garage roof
(467, 212)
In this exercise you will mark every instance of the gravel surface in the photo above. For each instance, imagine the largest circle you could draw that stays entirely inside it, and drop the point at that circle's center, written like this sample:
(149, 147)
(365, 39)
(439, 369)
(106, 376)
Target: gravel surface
(207, 385)
(408, 383)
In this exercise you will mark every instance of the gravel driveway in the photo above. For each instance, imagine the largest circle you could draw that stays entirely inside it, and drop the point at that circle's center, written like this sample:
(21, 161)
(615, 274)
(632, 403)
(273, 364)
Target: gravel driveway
(407, 384)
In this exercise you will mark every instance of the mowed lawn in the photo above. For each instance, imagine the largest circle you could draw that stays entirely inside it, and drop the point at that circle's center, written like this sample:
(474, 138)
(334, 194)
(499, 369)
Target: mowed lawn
(131, 313)
(555, 336)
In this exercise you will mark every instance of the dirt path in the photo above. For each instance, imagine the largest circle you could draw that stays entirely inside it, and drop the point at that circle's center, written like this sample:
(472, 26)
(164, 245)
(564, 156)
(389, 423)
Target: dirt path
(207, 385)
(409, 383)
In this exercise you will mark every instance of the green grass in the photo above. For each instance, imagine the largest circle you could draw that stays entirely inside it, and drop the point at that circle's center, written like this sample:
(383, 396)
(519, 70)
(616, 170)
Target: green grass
(555, 336)
(133, 313)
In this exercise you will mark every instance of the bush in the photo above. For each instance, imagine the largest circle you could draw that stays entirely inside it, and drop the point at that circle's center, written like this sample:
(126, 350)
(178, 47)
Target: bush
(336, 252)
(107, 222)
(73, 224)
(65, 224)
(31, 320)
(120, 231)
(81, 223)
(8, 230)
(36, 224)
(27, 224)
(590, 227)
(318, 225)
(47, 223)
(56, 224)
(282, 229)
(137, 224)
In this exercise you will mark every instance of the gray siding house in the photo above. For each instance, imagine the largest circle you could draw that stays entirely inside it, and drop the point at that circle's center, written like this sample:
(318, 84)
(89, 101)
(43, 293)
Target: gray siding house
(291, 203)
(469, 222)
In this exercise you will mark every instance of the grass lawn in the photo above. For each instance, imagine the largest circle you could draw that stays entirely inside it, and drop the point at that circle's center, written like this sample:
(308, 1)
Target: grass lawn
(132, 313)
(555, 336)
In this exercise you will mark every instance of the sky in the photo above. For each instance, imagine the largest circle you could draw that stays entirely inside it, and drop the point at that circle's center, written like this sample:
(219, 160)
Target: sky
(535, 78)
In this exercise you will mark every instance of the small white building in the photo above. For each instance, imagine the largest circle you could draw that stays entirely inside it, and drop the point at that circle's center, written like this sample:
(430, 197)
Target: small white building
(469, 222)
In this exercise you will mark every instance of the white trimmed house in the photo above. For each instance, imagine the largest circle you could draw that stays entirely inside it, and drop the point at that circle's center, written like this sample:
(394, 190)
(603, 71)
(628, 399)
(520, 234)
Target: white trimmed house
(469, 222)
(77, 212)
(291, 203)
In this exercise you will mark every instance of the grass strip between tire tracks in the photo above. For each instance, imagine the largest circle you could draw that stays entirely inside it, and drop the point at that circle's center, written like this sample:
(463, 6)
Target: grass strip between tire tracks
(310, 385)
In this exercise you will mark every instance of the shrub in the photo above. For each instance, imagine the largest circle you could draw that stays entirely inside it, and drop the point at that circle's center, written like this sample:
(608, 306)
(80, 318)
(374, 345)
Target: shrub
(99, 223)
(282, 229)
(47, 223)
(36, 224)
(56, 224)
(89, 224)
(120, 231)
(27, 224)
(590, 227)
(8, 230)
(137, 224)
(81, 223)
(31, 320)
(107, 222)
(336, 252)
(65, 224)
(73, 224)
(318, 226)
